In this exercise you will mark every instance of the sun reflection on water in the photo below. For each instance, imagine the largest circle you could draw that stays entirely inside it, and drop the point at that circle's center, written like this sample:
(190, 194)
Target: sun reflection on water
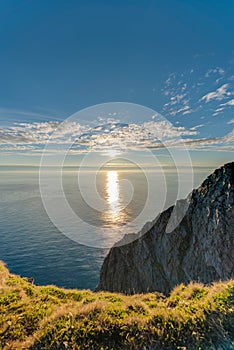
(117, 214)
(112, 187)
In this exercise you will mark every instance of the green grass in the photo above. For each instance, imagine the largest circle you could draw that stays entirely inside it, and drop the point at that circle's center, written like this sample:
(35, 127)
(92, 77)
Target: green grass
(192, 317)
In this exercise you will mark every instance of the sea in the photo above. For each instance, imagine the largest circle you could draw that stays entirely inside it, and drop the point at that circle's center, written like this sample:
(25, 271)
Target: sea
(32, 244)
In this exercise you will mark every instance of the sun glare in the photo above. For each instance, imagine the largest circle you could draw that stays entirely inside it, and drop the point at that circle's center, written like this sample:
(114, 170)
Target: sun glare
(112, 153)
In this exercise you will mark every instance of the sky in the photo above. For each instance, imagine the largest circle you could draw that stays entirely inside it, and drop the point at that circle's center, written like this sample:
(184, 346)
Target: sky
(175, 57)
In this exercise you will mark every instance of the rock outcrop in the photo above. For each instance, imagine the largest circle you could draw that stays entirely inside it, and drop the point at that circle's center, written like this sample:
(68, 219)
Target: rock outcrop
(200, 248)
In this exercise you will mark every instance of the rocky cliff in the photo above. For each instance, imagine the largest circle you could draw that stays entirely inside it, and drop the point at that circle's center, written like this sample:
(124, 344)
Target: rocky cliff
(200, 248)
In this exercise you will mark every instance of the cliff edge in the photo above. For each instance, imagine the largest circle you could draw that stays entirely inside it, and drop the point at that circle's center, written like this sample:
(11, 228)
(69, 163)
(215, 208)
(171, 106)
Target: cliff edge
(200, 248)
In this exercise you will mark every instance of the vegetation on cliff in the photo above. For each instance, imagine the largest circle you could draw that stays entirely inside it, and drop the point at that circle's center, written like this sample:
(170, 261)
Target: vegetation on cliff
(47, 317)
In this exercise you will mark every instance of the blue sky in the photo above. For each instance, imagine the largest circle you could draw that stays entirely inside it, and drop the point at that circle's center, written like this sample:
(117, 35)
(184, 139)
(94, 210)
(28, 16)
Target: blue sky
(57, 57)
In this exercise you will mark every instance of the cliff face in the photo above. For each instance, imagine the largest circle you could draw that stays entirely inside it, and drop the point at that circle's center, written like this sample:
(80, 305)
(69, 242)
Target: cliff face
(201, 248)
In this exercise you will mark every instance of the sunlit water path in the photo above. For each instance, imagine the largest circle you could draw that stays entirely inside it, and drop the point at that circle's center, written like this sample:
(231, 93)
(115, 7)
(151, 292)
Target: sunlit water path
(32, 246)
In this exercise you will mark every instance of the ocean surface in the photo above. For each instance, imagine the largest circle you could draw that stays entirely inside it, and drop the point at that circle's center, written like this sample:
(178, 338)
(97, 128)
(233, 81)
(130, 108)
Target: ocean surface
(31, 245)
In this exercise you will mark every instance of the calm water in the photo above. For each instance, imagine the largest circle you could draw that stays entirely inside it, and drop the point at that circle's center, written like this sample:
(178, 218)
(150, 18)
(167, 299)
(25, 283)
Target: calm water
(32, 246)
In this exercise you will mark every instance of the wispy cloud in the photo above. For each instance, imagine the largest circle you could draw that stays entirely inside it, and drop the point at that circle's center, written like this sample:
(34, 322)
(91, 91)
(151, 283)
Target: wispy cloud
(217, 70)
(225, 142)
(197, 127)
(199, 94)
(229, 103)
(16, 112)
(42, 114)
(219, 94)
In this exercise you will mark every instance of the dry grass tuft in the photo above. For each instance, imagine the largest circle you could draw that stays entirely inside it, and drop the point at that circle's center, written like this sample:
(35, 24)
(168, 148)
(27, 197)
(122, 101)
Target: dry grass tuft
(46, 317)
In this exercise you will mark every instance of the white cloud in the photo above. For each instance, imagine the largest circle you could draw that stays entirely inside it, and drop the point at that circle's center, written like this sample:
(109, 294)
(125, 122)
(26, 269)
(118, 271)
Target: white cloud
(31, 138)
(178, 97)
(197, 127)
(219, 143)
(40, 133)
(108, 133)
(183, 110)
(217, 111)
(229, 103)
(216, 70)
(219, 94)
(229, 138)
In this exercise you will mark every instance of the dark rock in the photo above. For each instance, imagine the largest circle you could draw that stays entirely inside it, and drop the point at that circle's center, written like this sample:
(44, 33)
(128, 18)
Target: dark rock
(30, 280)
(200, 248)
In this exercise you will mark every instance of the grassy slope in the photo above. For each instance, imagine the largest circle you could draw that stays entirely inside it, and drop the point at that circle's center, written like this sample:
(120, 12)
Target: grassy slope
(192, 317)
